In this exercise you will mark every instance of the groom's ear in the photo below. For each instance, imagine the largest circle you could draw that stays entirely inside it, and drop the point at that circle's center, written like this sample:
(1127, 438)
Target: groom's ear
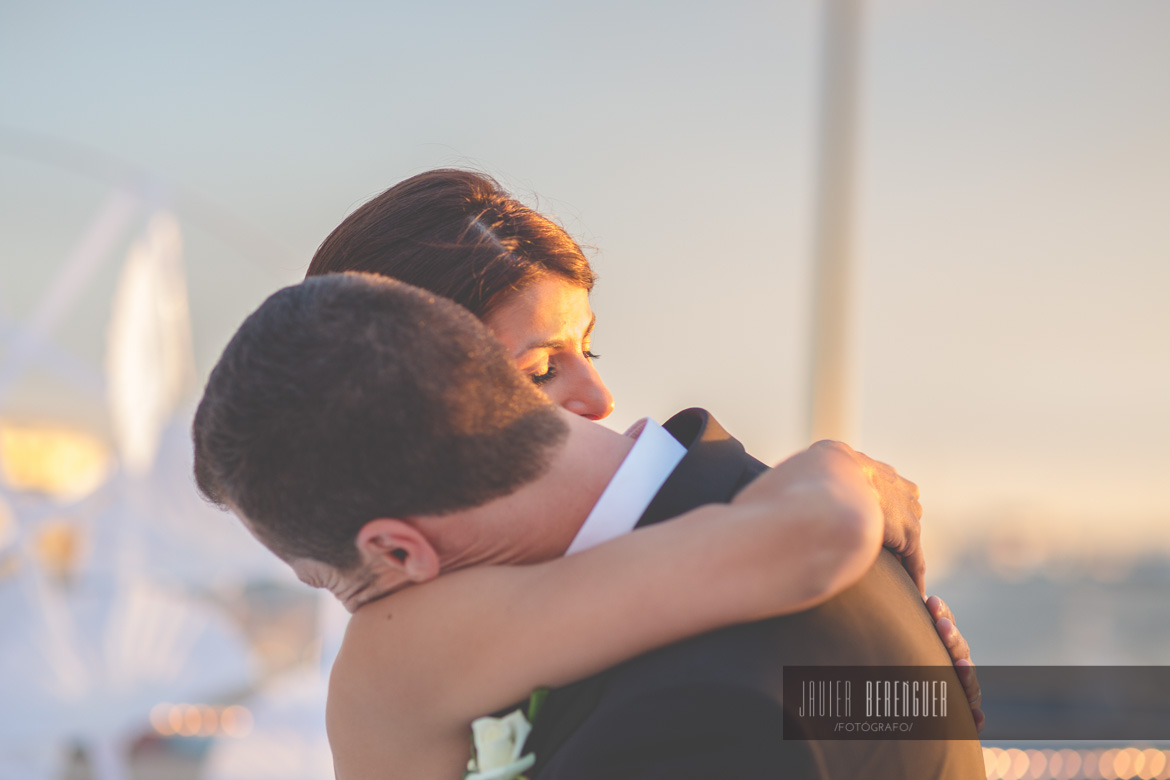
(396, 553)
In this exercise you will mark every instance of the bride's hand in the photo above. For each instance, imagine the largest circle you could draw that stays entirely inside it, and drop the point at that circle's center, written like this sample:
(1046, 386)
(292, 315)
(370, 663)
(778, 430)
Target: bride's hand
(901, 512)
(948, 632)
(874, 489)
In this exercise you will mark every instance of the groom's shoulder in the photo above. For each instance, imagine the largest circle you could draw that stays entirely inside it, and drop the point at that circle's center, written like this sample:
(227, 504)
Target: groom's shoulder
(695, 426)
(714, 468)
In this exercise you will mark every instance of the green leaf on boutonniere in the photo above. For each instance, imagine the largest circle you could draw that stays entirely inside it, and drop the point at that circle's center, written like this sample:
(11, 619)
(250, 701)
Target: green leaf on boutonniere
(535, 702)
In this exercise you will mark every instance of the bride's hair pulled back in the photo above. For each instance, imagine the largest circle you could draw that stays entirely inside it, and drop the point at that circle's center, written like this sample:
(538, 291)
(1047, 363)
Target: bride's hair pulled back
(455, 233)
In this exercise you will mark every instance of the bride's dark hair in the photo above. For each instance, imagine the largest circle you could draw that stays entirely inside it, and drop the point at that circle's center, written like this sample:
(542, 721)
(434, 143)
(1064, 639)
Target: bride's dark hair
(455, 233)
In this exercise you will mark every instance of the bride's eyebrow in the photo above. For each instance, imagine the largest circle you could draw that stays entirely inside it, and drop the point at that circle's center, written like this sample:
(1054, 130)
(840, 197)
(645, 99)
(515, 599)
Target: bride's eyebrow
(560, 343)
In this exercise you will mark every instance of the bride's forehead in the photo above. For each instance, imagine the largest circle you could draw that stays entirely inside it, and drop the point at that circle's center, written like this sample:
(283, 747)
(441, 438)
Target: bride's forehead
(548, 307)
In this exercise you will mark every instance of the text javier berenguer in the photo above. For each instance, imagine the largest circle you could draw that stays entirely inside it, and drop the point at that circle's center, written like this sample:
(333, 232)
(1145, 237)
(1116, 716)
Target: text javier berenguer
(906, 698)
(883, 699)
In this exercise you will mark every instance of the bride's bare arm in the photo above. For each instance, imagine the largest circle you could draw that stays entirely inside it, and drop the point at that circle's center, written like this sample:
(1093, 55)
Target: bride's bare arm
(486, 636)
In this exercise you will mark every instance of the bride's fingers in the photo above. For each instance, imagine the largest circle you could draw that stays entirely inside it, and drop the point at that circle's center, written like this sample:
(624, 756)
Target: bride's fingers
(915, 565)
(960, 652)
(965, 670)
(945, 611)
(939, 609)
(910, 487)
(967, 676)
(955, 643)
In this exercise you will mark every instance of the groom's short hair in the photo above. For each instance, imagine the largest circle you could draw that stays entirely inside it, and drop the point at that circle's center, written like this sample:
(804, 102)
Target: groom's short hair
(350, 397)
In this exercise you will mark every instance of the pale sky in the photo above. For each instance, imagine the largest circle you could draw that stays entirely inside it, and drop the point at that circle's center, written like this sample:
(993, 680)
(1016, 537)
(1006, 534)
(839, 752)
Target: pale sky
(1013, 241)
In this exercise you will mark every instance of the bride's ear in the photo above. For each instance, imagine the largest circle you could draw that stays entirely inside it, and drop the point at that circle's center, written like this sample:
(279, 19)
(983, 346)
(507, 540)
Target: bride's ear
(396, 552)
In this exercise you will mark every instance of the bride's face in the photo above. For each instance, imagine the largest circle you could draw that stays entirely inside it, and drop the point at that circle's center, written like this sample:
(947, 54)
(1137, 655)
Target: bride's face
(547, 327)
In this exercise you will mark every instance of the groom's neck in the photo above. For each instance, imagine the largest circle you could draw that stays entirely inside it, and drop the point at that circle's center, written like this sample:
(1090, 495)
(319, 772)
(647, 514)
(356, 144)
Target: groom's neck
(578, 473)
(539, 521)
(582, 468)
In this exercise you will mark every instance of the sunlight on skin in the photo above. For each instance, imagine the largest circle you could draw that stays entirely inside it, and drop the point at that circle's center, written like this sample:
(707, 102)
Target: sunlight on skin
(547, 329)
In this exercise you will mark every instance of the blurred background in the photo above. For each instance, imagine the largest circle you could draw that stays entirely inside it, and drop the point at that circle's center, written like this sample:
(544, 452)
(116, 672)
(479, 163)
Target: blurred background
(994, 185)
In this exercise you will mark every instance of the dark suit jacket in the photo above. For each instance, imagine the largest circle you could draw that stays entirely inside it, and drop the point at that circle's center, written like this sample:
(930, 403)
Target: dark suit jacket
(711, 707)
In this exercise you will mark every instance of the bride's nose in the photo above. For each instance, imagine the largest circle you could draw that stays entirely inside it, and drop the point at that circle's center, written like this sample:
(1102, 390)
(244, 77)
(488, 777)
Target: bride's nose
(584, 393)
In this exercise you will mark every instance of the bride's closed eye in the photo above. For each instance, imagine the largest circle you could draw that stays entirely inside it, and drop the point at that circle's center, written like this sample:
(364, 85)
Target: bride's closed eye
(550, 372)
(547, 327)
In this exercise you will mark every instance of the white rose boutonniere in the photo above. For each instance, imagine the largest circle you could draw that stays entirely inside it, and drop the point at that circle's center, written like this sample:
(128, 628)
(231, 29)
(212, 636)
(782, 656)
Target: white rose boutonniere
(496, 743)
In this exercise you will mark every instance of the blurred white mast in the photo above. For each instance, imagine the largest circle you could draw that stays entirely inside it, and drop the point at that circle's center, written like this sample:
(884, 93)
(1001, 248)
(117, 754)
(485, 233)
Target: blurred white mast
(149, 363)
(831, 381)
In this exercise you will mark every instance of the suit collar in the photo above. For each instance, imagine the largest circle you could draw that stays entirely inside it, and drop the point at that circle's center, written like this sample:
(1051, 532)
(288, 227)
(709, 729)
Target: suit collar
(711, 471)
(640, 476)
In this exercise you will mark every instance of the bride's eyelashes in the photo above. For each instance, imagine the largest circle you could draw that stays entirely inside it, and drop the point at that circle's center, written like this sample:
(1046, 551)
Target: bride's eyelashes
(550, 371)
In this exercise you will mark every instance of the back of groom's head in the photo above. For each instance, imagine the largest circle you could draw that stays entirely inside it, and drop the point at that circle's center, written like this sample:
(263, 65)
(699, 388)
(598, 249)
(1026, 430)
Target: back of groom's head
(351, 397)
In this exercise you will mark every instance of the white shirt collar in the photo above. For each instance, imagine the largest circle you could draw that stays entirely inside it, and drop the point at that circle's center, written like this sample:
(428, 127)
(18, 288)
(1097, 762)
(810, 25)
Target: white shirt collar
(646, 466)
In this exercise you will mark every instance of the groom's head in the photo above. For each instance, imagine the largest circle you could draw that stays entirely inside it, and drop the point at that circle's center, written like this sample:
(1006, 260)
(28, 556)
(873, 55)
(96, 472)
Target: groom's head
(352, 397)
